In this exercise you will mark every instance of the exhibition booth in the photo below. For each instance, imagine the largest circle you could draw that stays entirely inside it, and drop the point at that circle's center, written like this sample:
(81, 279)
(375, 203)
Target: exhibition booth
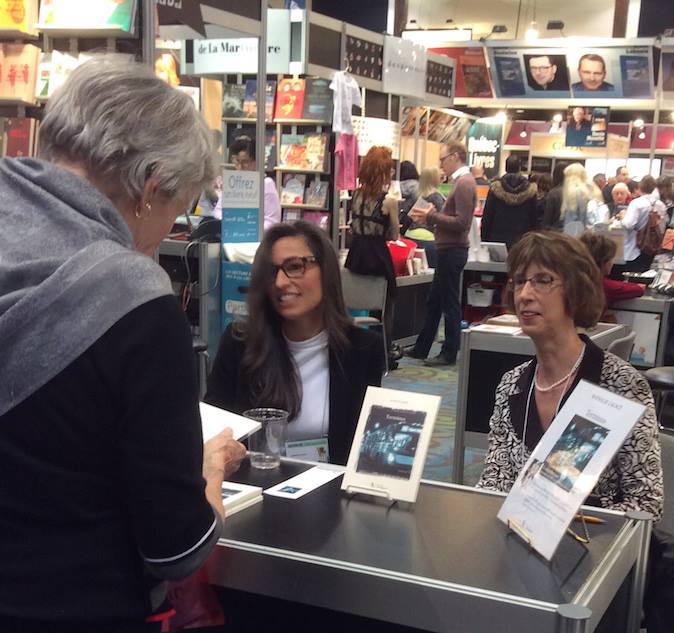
(431, 555)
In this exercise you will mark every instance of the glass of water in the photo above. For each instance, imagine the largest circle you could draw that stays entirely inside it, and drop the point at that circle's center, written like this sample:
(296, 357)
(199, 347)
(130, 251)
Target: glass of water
(266, 446)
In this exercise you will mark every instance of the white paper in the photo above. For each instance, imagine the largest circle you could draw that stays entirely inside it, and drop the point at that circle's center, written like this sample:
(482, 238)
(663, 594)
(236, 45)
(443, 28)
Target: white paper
(565, 466)
(304, 483)
(237, 497)
(214, 420)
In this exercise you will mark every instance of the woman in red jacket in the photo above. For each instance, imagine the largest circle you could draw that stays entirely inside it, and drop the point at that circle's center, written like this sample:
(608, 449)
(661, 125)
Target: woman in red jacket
(603, 252)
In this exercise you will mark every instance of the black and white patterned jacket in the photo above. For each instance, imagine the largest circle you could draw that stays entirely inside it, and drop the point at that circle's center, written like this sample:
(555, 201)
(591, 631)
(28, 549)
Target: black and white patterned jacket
(633, 480)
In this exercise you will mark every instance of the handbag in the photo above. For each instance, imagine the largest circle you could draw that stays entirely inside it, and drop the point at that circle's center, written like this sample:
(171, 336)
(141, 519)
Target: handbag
(650, 235)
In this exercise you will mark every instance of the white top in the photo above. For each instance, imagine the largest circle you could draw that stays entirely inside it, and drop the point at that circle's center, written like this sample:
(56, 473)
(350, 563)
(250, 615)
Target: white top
(461, 171)
(635, 218)
(312, 360)
(347, 94)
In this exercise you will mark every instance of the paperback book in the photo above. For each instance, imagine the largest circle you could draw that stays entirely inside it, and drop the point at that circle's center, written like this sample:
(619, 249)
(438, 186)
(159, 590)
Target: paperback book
(237, 497)
(319, 218)
(304, 151)
(232, 101)
(317, 100)
(292, 190)
(289, 99)
(18, 15)
(317, 193)
(92, 14)
(250, 99)
(19, 72)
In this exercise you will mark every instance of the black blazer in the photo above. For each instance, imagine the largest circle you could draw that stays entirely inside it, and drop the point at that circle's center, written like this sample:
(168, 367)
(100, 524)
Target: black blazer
(362, 364)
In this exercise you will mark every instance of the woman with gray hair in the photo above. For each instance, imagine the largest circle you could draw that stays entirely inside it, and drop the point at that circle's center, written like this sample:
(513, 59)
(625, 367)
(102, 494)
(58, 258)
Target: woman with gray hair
(101, 452)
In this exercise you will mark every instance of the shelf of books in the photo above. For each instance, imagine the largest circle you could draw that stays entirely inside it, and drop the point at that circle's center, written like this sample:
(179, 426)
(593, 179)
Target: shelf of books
(298, 113)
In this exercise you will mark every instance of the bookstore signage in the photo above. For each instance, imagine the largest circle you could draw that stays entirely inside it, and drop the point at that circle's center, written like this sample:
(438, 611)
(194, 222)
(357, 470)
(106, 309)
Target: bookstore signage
(404, 67)
(217, 56)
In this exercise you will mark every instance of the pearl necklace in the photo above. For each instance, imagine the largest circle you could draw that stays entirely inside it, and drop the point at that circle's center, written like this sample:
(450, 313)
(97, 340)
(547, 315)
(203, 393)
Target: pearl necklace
(563, 379)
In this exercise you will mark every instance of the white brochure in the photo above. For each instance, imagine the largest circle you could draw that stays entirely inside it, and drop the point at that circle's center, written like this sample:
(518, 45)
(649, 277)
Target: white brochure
(305, 482)
(389, 449)
(565, 466)
(214, 420)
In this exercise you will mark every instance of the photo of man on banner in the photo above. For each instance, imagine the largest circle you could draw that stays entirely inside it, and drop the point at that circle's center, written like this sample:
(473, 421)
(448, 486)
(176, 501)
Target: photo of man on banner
(546, 72)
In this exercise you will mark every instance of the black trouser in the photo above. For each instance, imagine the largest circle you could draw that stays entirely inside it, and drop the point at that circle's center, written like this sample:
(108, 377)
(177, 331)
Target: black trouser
(639, 265)
(444, 298)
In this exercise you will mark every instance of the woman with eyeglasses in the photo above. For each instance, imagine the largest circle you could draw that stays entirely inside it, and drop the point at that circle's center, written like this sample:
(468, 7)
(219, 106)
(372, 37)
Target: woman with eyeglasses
(298, 350)
(556, 288)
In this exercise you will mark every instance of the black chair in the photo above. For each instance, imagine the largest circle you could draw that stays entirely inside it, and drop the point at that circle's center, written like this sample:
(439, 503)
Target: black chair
(661, 380)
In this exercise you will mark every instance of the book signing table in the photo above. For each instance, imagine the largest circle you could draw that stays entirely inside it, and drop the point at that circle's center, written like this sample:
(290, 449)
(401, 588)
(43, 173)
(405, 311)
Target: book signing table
(445, 563)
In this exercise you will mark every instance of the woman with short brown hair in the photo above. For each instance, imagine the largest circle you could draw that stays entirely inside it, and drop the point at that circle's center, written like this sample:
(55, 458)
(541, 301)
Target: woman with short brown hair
(556, 287)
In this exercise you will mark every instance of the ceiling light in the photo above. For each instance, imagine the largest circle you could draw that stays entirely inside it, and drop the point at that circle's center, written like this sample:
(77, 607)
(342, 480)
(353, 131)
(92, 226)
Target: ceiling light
(497, 28)
(523, 134)
(555, 25)
(532, 32)
(557, 118)
(638, 123)
(671, 116)
(501, 116)
(641, 135)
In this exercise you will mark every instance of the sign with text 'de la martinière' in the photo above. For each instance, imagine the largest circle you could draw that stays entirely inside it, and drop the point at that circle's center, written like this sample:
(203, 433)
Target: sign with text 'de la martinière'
(239, 55)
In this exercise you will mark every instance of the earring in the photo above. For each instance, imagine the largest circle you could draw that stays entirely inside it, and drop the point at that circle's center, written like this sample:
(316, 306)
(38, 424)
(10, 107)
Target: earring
(137, 212)
(148, 206)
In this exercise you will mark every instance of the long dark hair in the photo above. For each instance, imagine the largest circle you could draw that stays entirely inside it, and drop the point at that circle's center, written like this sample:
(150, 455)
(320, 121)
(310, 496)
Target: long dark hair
(267, 363)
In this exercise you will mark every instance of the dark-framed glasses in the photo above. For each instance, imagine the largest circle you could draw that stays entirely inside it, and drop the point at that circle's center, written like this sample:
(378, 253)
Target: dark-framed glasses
(293, 267)
(541, 283)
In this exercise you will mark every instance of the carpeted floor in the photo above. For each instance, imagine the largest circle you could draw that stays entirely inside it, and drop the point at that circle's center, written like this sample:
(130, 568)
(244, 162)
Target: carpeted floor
(413, 375)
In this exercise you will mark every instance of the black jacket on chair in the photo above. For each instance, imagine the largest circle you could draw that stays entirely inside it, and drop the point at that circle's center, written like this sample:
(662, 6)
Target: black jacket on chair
(510, 210)
(361, 365)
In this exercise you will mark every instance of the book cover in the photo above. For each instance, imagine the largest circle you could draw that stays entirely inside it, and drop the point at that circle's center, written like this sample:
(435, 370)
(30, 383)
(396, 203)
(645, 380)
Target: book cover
(636, 79)
(316, 145)
(20, 72)
(62, 64)
(43, 76)
(270, 149)
(250, 99)
(293, 151)
(20, 133)
(232, 101)
(291, 215)
(18, 15)
(289, 99)
(317, 100)
(510, 78)
(475, 75)
(74, 14)
(319, 218)
(317, 193)
(292, 189)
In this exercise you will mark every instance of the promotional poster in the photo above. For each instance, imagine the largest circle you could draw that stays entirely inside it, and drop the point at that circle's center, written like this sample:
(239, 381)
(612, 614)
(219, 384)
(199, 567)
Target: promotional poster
(472, 75)
(587, 126)
(534, 73)
(484, 146)
(616, 72)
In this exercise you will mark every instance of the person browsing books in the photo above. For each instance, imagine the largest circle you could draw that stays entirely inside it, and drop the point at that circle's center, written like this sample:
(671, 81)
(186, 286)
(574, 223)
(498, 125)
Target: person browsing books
(242, 155)
(556, 288)
(298, 349)
(107, 488)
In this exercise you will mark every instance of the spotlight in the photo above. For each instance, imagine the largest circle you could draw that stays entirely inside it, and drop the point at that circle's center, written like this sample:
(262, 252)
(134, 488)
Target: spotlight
(501, 116)
(671, 116)
(555, 25)
(641, 135)
(497, 28)
(523, 134)
(557, 118)
(532, 32)
(638, 123)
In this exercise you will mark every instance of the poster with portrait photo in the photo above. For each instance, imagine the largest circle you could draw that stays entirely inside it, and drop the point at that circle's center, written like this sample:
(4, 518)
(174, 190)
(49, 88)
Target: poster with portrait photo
(587, 126)
(612, 72)
(566, 464)
(390, 445)
(533, 73)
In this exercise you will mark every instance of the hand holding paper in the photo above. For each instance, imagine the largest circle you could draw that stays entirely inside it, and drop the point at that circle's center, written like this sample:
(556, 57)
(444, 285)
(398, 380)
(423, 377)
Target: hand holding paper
(419, 212)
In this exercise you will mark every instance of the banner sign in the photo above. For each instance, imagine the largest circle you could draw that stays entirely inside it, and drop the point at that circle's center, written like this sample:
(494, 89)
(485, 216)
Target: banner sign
(484, 146)
(440, 79)
(365, 58)
(371, 131)
(404, 67)
(472, 75)
(610, 72)
(235, 283)
(586, 127)
(240, 206)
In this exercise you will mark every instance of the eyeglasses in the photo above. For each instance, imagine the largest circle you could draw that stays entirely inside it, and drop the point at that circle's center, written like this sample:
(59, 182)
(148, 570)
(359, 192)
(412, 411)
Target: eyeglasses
(445, 157)
(540, 69)
(541, 283)
(293, 267)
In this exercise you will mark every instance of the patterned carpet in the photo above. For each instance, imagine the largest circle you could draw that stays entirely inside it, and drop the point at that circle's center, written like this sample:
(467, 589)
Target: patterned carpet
(413, 375)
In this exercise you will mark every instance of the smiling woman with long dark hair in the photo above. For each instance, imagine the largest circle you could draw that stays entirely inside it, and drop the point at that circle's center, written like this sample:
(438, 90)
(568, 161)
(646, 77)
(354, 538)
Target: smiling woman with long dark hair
(298, 350)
